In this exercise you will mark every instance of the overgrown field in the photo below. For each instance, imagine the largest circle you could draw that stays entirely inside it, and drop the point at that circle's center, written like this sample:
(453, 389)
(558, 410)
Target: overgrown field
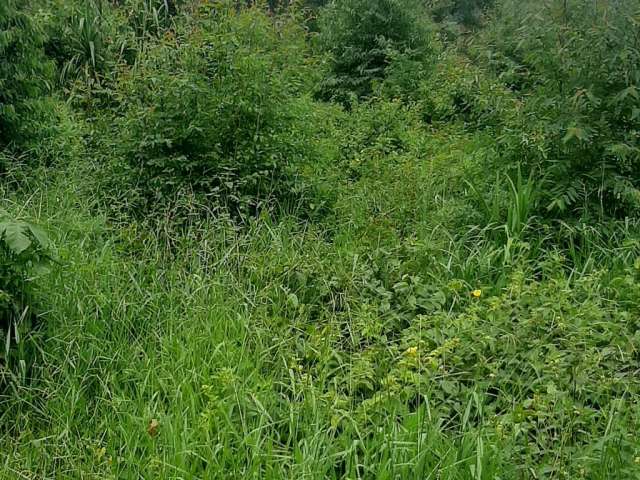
(359, 239)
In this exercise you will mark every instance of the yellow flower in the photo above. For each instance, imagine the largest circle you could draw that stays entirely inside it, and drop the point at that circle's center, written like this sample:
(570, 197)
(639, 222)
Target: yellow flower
(411, 351)
(153, 427)
(477, 293)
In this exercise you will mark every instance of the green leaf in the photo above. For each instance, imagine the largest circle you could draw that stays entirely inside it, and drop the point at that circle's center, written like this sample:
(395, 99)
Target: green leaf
(630, 91)
(575, 132)
(39, 234)
(15, 237)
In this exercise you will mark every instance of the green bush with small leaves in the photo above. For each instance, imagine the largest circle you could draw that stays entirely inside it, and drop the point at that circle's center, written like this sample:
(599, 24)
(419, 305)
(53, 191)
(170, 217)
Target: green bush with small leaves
(467, 12)
(574, 67)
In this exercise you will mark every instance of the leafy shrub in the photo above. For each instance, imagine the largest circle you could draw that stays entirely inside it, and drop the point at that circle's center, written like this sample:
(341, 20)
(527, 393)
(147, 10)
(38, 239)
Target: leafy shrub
(373, 131)
(23, 248)
(214, 111)
(363, 37)
(575, 66)
(23, 76)
(548, 365)
(459, 91)
(277, 5)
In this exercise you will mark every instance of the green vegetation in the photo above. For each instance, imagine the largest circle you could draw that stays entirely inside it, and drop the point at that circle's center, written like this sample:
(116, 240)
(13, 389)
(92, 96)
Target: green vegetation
(464, 12)
(575, 68)
(405, 245)
(213, 110)
(23, 75)
(22, 250)
(365, 37)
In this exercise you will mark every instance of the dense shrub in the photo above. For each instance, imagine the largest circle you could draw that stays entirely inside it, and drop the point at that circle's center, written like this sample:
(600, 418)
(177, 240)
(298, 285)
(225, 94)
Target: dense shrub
(281, 5)
(23, 74)
(88, 39)
(214, 111)
(575, 66)
(363, 37)
(543, 369)
(459, 91)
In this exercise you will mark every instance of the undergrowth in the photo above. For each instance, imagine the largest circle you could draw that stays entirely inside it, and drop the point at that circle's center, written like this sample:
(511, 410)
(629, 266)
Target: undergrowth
(209, 272)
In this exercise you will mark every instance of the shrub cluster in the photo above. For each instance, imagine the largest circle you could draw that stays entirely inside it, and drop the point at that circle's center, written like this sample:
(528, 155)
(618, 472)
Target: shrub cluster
(575, 67)
(23, 248)
(466, 12)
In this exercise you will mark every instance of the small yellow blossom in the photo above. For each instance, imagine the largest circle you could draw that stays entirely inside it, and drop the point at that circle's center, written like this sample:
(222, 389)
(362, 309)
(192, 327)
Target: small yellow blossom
(100, 452)
(153, 427)
(411, 351)
(477, 293)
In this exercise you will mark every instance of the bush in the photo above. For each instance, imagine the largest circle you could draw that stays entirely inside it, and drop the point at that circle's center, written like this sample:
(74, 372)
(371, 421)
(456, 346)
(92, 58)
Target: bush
(214, 111)
(363, 37)
(575, 66)
(22, 248)
(545, 371)
(23, 76)
(458, 91)
(88, 39)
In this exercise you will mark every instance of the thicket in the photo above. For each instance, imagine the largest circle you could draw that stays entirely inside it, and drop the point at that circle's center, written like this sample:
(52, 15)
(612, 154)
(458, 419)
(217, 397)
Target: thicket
(469, 13)
(24, 252)
(26, 117)
(219, 110)
(573, 66)
(466, 302)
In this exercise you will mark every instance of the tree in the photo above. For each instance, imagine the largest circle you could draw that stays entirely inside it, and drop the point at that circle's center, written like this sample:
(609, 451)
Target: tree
(363, 37)
(575, 66)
